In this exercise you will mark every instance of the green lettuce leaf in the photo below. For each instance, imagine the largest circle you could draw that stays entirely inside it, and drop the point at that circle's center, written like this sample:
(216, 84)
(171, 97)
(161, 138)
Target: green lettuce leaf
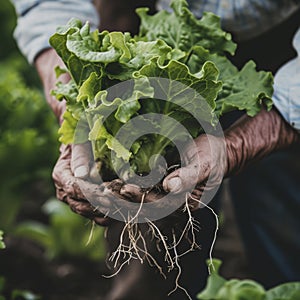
(79, 68)
(250, 90)
(214, 282)
(218, 288)
(190, 92)
(246, 89)
(182, 30)
(285, 291)
(99, 132)
(67, 129)
(2, 245)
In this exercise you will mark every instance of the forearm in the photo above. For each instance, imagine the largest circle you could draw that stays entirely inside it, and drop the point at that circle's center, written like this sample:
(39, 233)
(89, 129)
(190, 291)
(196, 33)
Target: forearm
(37, 21)
(250, 139)
(253, 138)
(45, 63)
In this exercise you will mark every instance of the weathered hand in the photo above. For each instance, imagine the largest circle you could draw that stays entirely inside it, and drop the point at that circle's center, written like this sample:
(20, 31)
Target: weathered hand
(67, 185)
(205, 163)
(247, 140)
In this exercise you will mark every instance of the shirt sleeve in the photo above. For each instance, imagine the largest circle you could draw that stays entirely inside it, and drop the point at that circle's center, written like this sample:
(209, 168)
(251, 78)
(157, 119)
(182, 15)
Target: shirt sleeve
(287, 88)
(38, 20)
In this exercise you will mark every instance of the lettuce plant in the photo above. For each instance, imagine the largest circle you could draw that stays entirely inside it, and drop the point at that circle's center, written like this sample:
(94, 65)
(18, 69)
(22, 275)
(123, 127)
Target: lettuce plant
(218, 288)
(174, 46)
(2, 245)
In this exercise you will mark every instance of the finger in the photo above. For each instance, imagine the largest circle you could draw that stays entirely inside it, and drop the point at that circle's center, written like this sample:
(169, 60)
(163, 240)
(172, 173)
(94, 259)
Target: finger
(198, 191)
(82, 208)
(98, 195)
(94, 175)
(186, 178)
(194, 199)
(132, 192)
(81, 159)
(102, 221)
(64, 180)
(86, 210)
(68, 189)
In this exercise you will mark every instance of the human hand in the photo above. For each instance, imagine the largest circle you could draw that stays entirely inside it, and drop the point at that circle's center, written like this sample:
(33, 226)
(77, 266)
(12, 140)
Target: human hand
(73, 166)
(205, 163)
(78, 184)
(212, 158)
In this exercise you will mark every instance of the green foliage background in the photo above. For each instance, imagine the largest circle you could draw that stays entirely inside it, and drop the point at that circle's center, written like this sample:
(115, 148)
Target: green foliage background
(7, 23)
(28, 152)
(28, 140)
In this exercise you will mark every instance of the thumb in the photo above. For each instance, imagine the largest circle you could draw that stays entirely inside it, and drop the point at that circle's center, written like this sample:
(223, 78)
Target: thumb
(185, 178)
(81, 159)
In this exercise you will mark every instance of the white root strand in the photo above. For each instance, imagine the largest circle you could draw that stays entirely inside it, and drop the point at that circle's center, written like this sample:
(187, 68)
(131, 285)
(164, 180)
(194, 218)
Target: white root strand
(135, 246)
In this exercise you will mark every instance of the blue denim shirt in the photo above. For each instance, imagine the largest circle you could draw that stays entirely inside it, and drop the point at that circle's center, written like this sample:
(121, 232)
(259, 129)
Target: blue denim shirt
(38, 19)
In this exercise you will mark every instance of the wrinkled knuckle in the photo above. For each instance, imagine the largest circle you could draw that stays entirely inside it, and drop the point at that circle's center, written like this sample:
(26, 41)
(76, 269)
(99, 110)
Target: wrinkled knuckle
(76, 208)
(61, 195)
(55, 175)
(205, 168)
(70, 186)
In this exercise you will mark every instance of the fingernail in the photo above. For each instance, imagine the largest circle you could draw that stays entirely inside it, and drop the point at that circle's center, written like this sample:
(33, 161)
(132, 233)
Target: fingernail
(174, 184)
(81, 172)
